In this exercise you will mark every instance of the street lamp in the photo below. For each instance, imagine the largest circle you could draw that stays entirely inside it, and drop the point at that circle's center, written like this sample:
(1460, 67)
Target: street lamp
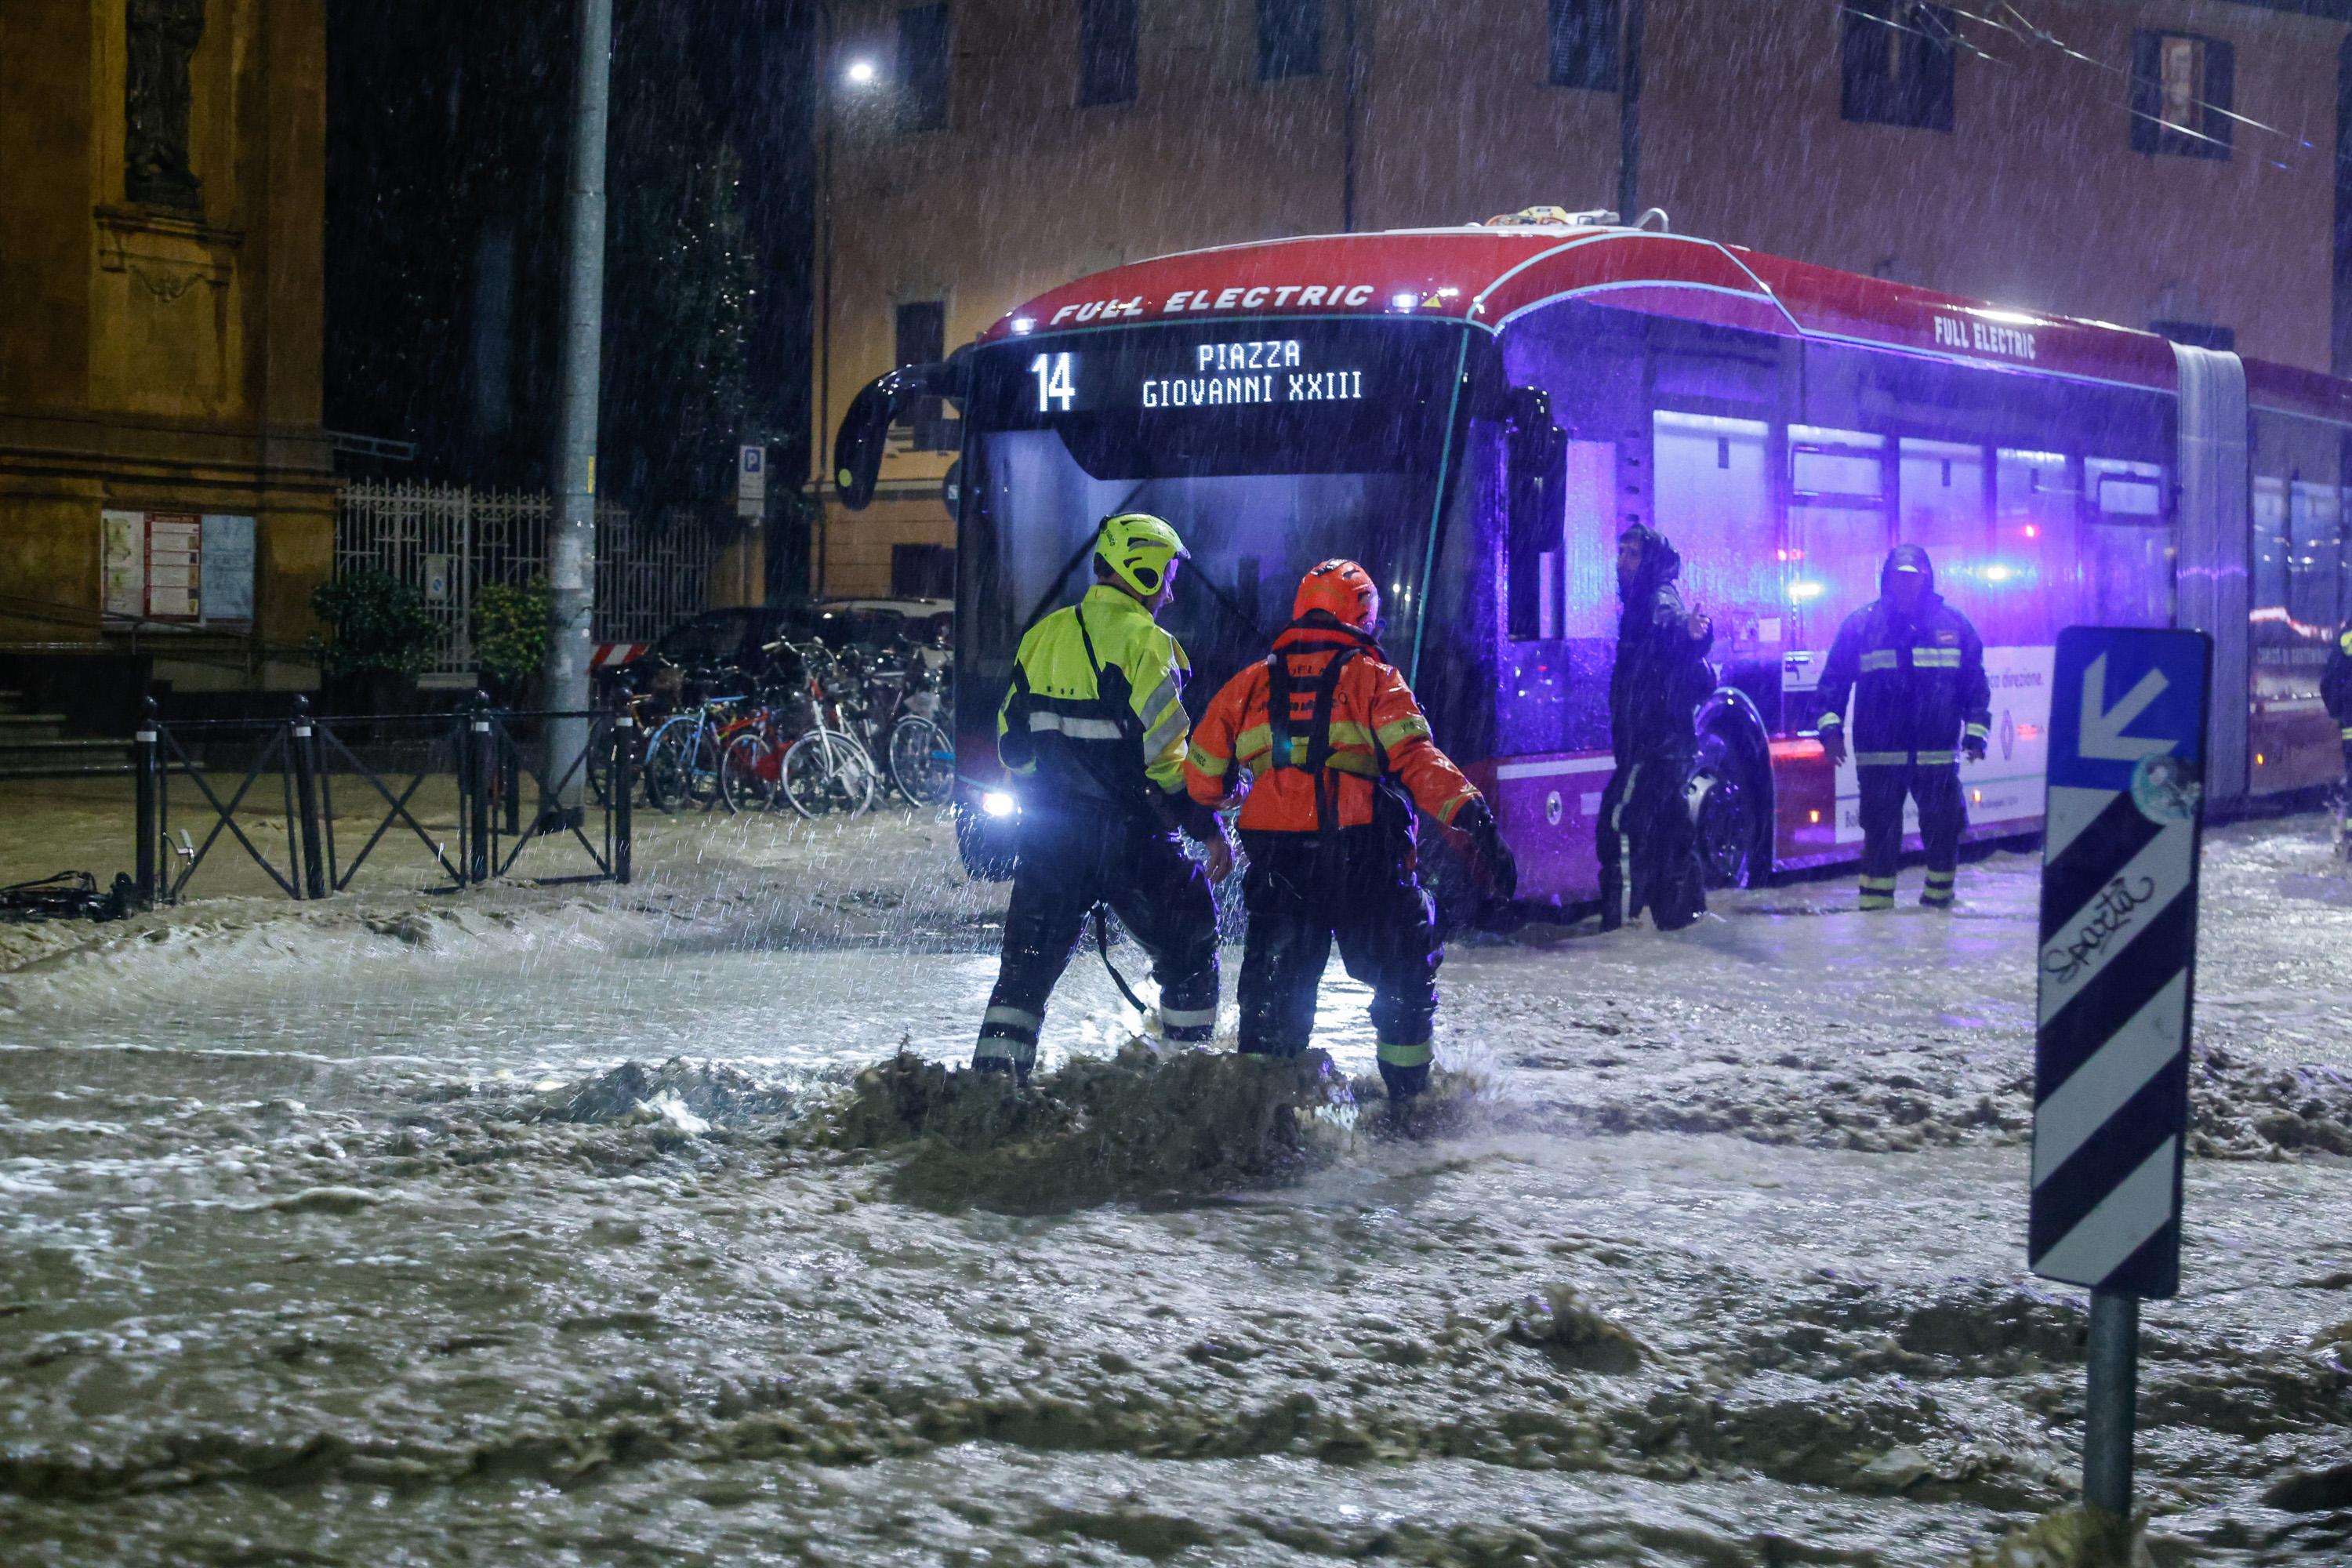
(861, 73)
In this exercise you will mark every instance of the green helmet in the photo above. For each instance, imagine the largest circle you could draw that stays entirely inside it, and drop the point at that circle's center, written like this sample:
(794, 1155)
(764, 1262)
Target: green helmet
(1137, 547)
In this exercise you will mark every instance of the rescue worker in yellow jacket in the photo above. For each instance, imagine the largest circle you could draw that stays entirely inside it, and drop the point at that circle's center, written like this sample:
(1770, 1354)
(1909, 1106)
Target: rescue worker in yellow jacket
(1326, 752)
(1094, 730)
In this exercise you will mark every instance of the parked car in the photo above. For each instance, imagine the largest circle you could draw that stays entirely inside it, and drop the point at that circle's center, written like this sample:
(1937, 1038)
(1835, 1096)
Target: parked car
(874, 625)
(713, 639)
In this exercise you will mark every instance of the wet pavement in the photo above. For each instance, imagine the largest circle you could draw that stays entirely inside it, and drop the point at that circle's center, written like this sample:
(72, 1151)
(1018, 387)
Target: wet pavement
(331, 1235)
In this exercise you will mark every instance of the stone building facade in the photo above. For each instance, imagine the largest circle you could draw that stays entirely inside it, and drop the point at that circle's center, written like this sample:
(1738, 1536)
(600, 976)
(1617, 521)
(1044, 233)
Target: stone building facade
(166, 503)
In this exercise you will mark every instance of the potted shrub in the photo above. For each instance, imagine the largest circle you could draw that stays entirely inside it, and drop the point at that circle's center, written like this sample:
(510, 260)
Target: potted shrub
(512, 627)
(380, 638)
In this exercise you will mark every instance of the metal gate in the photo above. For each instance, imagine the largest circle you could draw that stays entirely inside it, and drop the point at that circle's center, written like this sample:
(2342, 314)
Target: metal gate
(447, 541)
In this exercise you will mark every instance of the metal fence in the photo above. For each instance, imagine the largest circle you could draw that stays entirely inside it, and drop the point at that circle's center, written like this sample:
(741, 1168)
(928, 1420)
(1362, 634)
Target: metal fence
(471, 788)
(449, 540)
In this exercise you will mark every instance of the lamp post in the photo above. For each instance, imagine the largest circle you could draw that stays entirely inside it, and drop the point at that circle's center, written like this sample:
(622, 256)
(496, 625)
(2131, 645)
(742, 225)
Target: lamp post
(572, 530)
(817, 453)
(861, 73)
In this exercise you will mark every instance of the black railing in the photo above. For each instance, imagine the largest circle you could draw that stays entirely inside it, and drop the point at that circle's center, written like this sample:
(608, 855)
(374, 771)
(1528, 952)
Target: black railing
(487, 752)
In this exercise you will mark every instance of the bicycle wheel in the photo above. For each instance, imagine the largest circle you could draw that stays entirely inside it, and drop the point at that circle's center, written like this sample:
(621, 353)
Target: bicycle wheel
(666, 764)
(700, 771)
(751, 773)
(922, 761)
(827, 773)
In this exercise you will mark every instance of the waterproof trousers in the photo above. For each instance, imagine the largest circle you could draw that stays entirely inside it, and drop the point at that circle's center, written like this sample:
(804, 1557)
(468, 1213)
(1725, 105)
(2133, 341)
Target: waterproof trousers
(1359, 888)
(1942, 815)
(1648, 847)
(1071, 858)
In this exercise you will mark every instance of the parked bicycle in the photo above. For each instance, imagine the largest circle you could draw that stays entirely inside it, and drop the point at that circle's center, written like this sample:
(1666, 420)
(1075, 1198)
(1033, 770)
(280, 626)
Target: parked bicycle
(682, 755)
(798, 751)
(897, 698)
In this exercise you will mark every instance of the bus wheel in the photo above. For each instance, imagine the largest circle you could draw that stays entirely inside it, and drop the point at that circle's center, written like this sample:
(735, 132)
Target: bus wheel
(1731, 810)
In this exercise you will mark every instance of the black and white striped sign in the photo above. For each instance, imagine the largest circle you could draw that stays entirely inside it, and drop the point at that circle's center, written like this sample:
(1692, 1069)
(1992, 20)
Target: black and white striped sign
(2117, 956)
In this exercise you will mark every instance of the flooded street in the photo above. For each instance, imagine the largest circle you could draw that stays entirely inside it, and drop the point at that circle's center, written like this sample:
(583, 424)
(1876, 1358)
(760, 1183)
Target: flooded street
(339, 1239)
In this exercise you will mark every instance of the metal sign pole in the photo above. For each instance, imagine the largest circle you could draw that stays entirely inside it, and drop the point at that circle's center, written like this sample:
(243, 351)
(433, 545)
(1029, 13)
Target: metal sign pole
(2123, 825)
(2109, 1412)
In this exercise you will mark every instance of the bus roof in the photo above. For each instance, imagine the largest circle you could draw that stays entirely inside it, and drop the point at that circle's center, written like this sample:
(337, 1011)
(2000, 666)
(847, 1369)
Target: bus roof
(1487, 274)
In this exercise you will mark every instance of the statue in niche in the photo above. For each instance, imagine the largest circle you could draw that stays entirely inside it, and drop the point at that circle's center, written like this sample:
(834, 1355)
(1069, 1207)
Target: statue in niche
(162, 34)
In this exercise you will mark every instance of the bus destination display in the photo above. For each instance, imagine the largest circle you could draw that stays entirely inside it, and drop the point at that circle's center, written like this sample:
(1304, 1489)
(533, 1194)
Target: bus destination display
(1208, 375)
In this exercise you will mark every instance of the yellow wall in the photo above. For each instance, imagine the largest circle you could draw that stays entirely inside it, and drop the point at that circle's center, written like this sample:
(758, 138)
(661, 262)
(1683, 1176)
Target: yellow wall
(2036, 199)
(157, 359)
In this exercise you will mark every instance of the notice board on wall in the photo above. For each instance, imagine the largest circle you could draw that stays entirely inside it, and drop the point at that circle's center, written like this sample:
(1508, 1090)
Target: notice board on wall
(193, 568)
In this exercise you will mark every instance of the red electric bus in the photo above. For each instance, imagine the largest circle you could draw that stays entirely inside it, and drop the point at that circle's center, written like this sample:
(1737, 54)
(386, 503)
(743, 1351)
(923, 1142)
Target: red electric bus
(1476, 413)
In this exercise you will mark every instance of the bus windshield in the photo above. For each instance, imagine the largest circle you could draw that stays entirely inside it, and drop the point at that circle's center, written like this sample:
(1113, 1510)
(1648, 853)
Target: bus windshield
(1270, 447)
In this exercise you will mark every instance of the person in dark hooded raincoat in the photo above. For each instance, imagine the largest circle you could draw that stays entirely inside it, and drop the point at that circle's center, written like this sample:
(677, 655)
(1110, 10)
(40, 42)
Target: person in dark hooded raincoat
(1916, 667)
(1648, 846)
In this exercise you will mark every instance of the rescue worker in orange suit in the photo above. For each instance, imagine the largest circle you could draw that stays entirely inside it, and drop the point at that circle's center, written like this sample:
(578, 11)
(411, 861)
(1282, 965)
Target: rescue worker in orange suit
(1321, 744)
(1647, 845)
(1093, 729)
(2336, 692)
(1917, 666)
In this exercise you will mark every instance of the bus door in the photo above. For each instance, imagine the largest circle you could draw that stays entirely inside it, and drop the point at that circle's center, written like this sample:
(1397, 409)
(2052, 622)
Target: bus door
(1557, 550)
(1841, 527)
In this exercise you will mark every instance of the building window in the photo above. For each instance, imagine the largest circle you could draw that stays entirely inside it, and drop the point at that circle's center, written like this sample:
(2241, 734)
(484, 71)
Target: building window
(2180, 95)
(2197, 335)
(1895, 64)
(923, 68)
(1106, 51)
(922, 337)
(1289, 38)
(922, 571)
(1584, 44)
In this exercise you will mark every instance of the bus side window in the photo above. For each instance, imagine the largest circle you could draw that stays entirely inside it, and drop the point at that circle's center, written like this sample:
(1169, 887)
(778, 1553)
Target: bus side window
(2033, 564)
(1533, 530)
(1942, 489)
(2129, 546)
(2314, 569)
(2266, 593)
(1714, 500)
(1838, 530)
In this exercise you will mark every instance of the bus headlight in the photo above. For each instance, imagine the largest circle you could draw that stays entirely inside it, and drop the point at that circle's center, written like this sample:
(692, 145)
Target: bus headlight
(996, 803)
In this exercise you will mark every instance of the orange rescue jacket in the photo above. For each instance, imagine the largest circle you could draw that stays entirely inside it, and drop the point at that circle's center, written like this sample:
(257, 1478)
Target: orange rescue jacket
(1375, 729)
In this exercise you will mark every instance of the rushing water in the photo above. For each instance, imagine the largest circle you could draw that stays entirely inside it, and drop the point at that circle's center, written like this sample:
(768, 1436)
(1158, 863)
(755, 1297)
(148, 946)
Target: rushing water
(336, 1239)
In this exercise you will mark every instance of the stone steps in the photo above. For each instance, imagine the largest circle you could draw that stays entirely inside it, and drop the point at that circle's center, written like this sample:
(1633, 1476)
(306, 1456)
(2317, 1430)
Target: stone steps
(46, 757)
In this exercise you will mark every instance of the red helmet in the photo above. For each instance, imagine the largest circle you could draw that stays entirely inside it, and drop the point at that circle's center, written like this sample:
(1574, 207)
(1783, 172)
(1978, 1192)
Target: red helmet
(1344, 590)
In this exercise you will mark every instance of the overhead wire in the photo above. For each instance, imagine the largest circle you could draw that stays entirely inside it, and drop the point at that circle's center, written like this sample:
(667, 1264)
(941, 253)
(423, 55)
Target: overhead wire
(2039, 34)
(2030, 32)
(1945, 39)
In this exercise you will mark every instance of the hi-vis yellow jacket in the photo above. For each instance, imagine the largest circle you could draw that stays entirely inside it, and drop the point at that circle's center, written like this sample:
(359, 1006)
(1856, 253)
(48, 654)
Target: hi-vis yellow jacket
(1096, 709)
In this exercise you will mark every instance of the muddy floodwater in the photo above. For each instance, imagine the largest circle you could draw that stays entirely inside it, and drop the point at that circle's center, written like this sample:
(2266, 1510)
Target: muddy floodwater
(614, 1227)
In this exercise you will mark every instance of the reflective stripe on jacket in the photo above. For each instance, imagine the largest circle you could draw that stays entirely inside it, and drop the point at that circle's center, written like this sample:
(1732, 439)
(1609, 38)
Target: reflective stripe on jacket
(1376, 727)
(1921, 685)
(1120, 738)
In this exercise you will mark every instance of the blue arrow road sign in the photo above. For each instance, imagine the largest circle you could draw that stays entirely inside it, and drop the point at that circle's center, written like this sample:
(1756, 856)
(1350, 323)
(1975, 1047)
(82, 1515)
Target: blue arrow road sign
(2117, 956)
(2127, 693)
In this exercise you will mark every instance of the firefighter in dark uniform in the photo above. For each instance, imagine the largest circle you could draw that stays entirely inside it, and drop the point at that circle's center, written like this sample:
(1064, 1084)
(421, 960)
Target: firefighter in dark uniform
(2336, 690)
(1918, 666)
(1095, 723)
(1326, 752)
(1660, 678)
